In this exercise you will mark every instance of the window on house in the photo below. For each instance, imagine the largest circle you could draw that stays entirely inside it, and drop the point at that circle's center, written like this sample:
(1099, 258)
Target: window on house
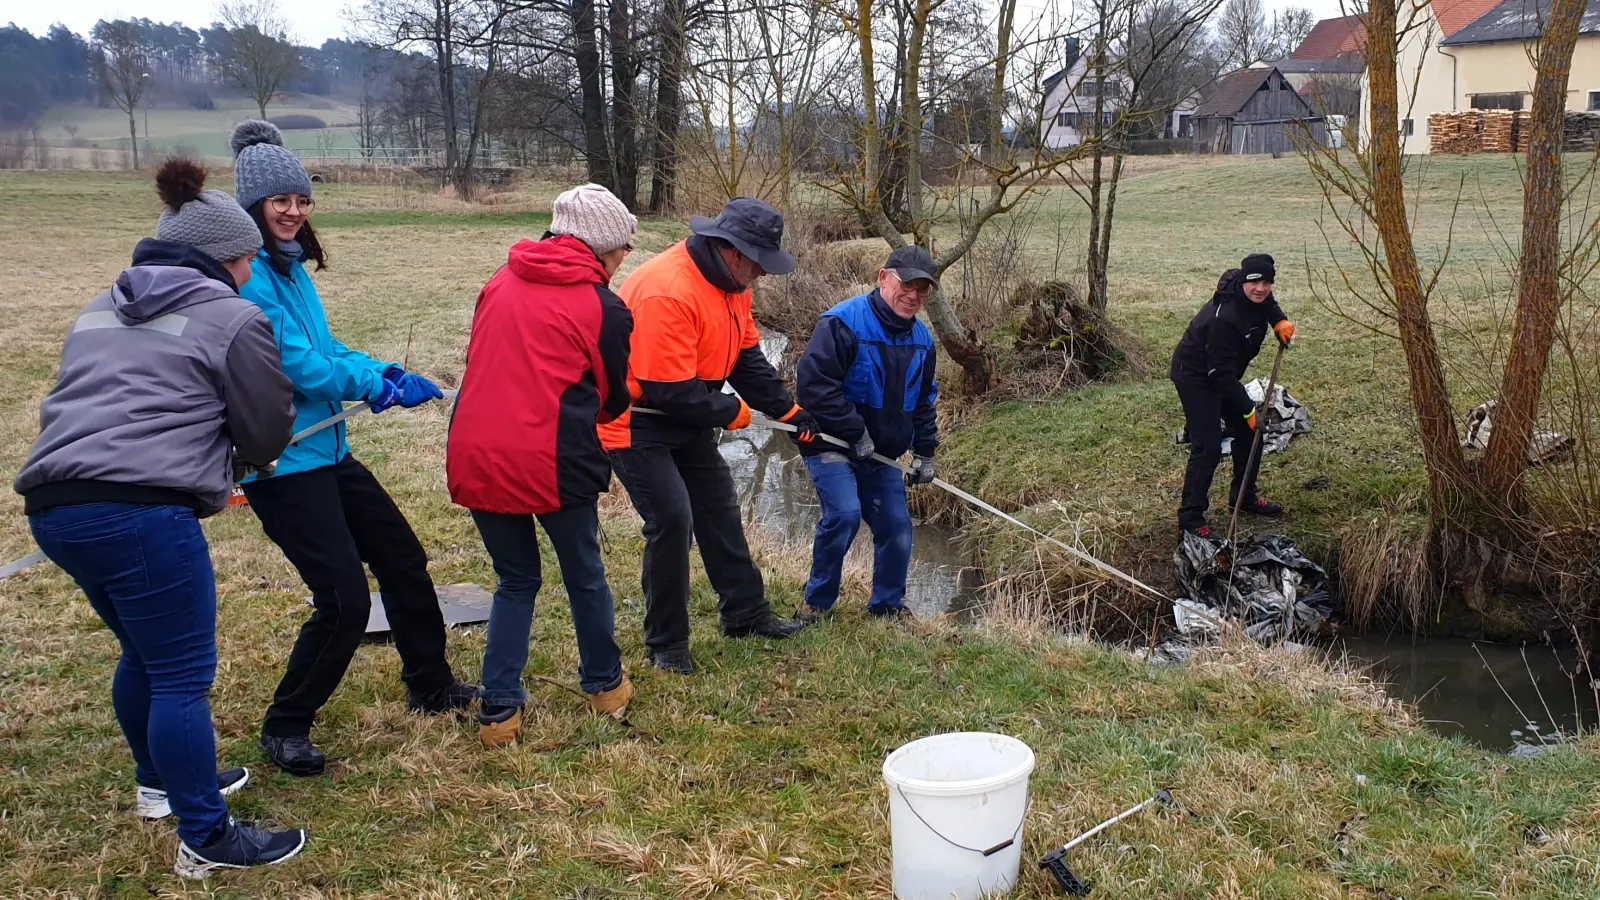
(1407, 127)
(1594, 101)
(1067, 120)
(1497, 101)
(1185, 126)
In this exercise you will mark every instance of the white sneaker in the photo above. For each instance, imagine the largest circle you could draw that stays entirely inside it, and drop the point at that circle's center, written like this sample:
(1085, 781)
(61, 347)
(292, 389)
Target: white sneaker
(151, 803)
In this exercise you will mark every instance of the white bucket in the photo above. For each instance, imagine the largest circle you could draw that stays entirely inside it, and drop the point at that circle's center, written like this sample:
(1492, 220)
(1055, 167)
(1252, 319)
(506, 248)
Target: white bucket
(956, 805)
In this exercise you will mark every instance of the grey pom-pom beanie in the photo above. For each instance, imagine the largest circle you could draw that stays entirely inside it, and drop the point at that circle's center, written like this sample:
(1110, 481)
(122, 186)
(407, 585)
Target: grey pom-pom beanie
(595, 216)
(213, 223)
(262, 166)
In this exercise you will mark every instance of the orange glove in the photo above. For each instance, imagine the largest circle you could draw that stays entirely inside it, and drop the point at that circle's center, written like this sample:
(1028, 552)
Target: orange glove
(741, 420)
(1285, 331)
(1248, 420)
(805, 426)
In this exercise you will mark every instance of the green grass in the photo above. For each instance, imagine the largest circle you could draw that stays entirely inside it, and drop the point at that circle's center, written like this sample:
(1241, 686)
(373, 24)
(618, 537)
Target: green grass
(760, 776)
(1104, 456)
(199, 131)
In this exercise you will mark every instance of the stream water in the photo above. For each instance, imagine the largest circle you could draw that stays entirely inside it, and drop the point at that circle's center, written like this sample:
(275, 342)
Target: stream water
(1493, 694)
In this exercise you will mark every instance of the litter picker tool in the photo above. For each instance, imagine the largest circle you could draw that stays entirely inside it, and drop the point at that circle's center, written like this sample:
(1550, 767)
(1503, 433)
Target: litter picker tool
(1055, 862)
(1255, 448)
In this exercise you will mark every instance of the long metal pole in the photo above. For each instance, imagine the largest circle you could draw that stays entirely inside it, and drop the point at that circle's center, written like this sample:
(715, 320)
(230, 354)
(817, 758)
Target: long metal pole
(1255, 443)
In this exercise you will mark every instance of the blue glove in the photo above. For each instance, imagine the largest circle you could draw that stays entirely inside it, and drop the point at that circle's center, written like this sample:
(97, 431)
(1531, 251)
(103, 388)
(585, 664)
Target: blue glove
(416, 390)
(394, 374)
(388, 396)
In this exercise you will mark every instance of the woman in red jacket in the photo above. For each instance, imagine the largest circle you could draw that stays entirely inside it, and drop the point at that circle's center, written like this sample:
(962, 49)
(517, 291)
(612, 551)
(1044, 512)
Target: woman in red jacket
(547, 361)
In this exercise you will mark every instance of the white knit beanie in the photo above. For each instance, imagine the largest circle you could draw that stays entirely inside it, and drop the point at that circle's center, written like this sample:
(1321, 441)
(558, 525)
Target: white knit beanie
(595, 216)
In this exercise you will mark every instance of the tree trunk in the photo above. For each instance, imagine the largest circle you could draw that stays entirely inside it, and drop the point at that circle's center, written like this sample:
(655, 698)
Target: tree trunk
(133, 138)
(669, 109)
(911, 112)
(624, 107)
(1539, 288)
(965, 347)
(596, 154)
(1430, 399)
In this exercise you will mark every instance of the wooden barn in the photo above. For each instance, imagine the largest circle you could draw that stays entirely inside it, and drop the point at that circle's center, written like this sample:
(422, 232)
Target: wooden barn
(1255, 111)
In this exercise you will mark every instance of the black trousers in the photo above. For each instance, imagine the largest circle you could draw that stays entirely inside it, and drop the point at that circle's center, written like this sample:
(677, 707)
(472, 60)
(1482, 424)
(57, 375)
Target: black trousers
(1205, 409)
(686, 494)
(328, 522)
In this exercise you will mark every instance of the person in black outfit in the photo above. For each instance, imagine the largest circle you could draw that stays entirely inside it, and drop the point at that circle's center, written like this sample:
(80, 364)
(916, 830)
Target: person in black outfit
(1208, 370)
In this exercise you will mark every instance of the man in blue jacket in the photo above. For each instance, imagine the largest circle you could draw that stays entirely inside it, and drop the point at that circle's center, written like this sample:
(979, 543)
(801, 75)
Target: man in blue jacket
(868, 378)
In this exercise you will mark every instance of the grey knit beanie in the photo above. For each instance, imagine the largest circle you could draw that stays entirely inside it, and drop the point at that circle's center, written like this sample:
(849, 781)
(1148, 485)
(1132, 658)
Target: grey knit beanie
(209, 221)
(595, 216)
(262, 166)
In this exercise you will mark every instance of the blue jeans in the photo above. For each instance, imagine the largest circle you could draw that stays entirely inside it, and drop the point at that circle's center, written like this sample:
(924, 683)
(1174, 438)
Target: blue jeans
(513, 545)
(147, 572)
(851, 492)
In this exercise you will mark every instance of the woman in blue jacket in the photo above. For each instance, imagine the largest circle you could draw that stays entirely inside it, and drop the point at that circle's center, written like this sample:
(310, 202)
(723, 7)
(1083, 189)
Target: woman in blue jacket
(322, 507)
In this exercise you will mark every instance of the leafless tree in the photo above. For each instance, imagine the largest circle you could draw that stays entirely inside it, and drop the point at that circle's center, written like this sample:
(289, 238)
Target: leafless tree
(260, 53)
(464, 40)
(1245, 35)
(121, 64)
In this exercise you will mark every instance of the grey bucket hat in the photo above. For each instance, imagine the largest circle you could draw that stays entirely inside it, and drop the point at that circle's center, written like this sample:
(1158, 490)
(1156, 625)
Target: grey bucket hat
(754, 228)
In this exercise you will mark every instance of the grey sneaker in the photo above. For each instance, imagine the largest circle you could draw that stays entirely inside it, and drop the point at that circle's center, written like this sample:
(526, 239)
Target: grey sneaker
(240, 845)
(151, 803)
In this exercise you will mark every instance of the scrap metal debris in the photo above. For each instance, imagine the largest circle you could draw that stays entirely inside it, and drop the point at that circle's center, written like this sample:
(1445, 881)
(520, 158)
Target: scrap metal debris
(1285, 418)
(1265, 584)
(1543, 446)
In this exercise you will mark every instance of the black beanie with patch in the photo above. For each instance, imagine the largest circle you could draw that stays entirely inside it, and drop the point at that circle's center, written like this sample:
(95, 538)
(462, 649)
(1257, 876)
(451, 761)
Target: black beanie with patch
(1259, 267)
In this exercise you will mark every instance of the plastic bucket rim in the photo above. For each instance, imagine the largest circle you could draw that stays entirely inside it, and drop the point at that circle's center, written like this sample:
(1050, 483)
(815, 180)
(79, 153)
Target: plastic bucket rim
(925, 787)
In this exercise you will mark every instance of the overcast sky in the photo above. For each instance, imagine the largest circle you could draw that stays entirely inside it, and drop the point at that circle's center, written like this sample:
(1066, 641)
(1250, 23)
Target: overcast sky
(314, 21)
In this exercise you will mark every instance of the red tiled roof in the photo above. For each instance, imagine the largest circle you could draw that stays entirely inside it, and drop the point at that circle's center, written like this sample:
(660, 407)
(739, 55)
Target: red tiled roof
(1331, 37)
(1454, 15)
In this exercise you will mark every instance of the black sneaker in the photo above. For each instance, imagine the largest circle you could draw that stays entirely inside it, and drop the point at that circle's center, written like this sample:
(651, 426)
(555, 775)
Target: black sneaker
(457, 697)
(768, 626)
(241, 845)
(151, 802)
(888, 612)
(1262, 507)
(678, 661)
(295, 755)
(1200, 531)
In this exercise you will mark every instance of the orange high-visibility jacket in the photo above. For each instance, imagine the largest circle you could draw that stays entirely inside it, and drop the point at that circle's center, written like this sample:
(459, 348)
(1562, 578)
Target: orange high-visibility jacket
(689, 338)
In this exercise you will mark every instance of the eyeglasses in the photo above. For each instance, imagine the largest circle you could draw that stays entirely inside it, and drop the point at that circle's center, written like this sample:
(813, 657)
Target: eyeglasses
(916, 285)
(282, 203)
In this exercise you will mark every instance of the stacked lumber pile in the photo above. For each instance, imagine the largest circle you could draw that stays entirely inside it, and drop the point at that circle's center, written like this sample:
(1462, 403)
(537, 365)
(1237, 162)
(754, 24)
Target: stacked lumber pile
(1499, 131)
(1454, 133)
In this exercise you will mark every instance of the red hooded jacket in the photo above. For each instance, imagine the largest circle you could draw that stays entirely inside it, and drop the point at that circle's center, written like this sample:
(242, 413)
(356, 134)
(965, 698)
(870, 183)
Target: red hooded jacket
(546, 362)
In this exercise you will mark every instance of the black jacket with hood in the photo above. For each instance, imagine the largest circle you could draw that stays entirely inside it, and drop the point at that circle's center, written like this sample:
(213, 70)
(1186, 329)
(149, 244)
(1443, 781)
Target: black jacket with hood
(1224, 337)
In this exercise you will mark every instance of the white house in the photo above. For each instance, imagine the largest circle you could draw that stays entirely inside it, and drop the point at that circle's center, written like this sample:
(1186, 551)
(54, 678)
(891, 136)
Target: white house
(1070, 100)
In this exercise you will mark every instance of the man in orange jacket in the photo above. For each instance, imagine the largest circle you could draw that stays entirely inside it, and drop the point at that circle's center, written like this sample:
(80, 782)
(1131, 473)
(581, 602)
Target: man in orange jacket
(693, 333)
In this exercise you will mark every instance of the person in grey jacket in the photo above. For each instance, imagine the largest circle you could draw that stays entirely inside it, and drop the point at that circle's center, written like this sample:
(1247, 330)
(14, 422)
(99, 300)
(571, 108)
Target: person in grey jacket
(168, 381)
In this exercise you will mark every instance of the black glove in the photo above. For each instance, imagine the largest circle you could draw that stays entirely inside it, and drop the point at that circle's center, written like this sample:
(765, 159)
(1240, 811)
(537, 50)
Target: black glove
(863, 449)
(805, 425)
(921, 470)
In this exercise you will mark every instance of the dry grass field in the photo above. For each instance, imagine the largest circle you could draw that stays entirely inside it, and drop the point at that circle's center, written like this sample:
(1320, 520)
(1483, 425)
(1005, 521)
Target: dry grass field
(759, 777)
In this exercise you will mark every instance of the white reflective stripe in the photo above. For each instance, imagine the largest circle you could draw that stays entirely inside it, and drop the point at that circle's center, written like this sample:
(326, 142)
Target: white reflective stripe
(172, 323)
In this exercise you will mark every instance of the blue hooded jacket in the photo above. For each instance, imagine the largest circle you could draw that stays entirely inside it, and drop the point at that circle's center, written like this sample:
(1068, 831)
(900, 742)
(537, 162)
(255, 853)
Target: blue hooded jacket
(866, 370)
(326, 373)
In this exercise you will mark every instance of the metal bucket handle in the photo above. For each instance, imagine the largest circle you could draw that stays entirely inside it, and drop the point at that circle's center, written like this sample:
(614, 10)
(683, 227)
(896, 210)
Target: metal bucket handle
(989, 852)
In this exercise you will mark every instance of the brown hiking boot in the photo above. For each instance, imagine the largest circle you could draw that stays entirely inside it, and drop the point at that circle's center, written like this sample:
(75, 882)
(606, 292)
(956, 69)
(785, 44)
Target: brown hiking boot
(499, 726)
(613, 703)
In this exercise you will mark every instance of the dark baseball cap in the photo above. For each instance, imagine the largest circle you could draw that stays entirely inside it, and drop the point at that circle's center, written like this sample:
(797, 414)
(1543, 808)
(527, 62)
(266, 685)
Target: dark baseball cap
(912, 263)
(754, 228)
